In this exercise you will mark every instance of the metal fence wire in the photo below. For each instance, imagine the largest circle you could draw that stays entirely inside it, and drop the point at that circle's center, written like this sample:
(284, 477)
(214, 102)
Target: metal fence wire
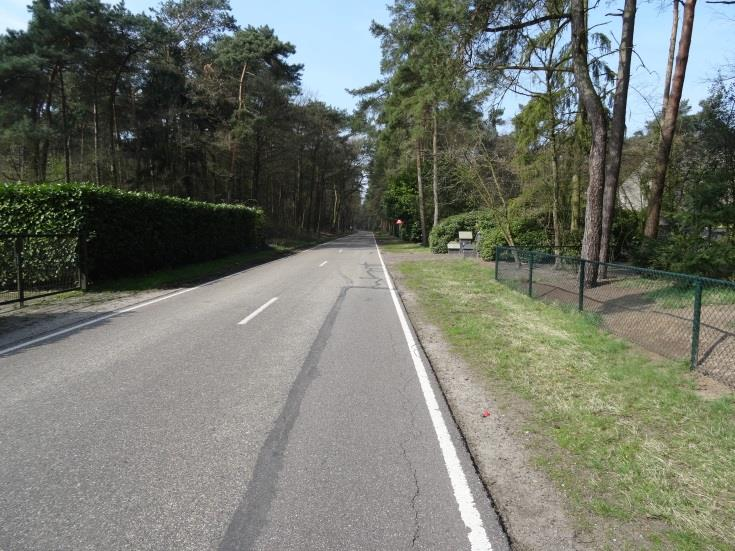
(678, 316)
(38, 265)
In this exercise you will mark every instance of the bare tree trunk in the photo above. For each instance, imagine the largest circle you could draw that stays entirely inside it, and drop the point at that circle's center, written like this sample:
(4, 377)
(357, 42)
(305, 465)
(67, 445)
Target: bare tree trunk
(598, 122)
(255, 190)
(672, 50)
(43, 153)
(434, 163)
(422, 213)
(82, 166)
(617, 131)
(574, 222)
(241, 90)
(96, 141)
(554, 168)
(65, 125)
(668, 127)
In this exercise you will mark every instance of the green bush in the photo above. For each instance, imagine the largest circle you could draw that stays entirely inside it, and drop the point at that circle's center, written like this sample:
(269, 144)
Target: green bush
(690, 255)
(131, 233)
(527, 232)
(446, 230)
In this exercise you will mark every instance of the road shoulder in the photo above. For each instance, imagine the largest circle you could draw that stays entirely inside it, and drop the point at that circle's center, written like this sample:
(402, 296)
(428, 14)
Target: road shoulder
(530, 505)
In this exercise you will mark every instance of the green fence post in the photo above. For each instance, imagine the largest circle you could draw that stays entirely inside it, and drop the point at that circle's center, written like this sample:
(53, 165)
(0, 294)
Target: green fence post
(696, 322)
(19, 269)
(530, 274)
(582, 263)
(497, 262)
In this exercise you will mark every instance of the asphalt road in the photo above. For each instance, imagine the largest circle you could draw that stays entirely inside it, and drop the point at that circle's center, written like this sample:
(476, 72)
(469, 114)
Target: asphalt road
(220, 418)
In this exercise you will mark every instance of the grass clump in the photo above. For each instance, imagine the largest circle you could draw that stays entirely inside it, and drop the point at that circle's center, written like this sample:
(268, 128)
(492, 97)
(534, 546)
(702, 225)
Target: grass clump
(628, 436)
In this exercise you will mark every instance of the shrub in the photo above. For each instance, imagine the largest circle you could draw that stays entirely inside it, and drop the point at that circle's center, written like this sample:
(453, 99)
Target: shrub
(131, 233)
(446, 230)
(527, 232)
(691, 255)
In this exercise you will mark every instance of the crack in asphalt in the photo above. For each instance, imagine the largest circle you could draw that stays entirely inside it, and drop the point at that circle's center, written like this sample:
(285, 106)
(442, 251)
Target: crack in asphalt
(414, 497)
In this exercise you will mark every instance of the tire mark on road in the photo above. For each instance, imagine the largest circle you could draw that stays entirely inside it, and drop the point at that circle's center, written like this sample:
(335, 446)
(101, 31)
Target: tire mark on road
(251, 515)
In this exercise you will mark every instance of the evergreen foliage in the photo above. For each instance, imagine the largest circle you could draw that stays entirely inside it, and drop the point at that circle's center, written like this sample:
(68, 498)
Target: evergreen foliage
(131, 232)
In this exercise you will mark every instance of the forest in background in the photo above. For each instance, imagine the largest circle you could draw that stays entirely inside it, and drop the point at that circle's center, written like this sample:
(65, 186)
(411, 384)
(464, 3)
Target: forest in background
(181, 102)
(568, 174)
(185, 102)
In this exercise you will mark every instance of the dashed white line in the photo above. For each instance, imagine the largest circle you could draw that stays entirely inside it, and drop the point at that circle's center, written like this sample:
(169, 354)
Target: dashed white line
(322, 264)
(462, 493)
(258, 311)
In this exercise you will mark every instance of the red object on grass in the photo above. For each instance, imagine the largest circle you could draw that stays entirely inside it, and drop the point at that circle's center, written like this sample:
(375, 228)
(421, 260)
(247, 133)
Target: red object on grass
(485, 413)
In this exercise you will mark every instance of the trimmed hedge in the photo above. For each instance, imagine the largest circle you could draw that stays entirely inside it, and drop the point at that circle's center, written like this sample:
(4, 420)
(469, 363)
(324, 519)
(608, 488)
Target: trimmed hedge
(131, 233)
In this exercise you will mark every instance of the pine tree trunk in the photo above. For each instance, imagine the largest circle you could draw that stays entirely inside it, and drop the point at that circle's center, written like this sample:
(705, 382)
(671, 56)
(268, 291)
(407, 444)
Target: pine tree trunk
(65, 125)
(435, 173)
(598, 122)
(668, 127)
(554, 168)
(43, 155)
(617, 131)
(672, 51)
(96, 141)
(422, 213)
(574, 222)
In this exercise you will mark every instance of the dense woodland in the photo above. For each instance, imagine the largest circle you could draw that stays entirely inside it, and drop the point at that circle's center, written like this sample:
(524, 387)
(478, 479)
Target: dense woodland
(185, 102)
(568, 174)
(180, 102)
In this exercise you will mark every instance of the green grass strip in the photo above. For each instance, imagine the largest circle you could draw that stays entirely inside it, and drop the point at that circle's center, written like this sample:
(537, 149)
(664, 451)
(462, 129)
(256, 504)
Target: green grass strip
(628, 437)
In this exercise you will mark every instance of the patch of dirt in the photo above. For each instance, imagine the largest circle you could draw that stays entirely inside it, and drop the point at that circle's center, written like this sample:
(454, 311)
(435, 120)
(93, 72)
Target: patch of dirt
(711, 389)
(629, 312)
(534, 509)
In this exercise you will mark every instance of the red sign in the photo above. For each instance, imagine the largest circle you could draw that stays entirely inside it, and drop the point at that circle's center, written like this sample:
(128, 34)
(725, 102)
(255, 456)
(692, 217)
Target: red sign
(399, 221)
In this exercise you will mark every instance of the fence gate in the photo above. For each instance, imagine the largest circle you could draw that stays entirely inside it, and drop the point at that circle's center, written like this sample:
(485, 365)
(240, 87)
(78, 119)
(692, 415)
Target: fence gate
(42, 264)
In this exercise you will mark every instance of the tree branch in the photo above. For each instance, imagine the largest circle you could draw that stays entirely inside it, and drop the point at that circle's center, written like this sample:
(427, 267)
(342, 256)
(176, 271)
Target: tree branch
(523, 24)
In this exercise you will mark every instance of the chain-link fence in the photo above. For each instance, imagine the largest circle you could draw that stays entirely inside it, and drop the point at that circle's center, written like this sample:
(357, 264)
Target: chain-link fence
(37, 265)
(675, 315)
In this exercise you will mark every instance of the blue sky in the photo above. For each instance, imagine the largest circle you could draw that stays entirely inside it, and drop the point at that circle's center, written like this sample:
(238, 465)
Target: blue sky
(333, 41)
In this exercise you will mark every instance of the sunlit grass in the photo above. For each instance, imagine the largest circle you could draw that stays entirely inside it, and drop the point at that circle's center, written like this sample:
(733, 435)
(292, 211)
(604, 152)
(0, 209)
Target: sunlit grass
(395, 246)
(671, 293)
(630, 439)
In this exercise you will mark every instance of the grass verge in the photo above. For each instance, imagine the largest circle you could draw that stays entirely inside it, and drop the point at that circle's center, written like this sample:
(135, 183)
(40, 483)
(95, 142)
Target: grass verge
(626, 437)
(393, 245)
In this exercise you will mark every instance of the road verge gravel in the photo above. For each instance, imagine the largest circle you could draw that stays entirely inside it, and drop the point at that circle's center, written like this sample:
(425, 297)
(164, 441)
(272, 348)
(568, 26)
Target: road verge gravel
(531, 507)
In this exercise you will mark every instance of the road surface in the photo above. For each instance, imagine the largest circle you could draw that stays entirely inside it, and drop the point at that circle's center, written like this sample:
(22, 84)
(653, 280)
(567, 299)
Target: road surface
(280, 408)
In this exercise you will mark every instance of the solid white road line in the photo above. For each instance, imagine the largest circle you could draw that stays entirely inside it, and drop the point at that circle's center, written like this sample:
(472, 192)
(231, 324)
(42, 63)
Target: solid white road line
(258, 311)
(322, 264)
(462, 493)
(92, 321)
